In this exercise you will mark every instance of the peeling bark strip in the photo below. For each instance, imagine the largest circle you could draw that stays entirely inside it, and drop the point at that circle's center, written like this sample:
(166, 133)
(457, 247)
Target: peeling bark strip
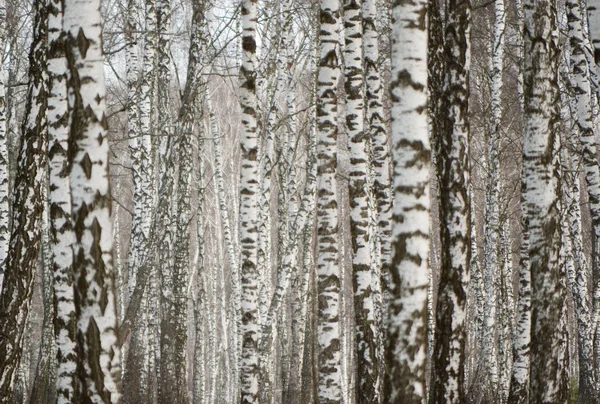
(448, 377)
(406, 353)
(59, 198)
(28, 200)
(549, 381)
(329, 388)
(97, 328)
(250, 329)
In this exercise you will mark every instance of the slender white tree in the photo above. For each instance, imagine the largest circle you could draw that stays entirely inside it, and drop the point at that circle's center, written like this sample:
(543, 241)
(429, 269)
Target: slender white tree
(248, 213)
(329, 359)
(4, 175)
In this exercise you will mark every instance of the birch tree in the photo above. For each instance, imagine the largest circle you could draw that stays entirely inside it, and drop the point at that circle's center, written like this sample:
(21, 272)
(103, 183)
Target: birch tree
(59, 199)
(28, 198)
(366, 331)
(448, 373)
(4, 166)
(406, 352)
(140, 128)
(328, 268)
(541, 194)
(579, 79)
(250, 331)
(97, 328)
(491, 246)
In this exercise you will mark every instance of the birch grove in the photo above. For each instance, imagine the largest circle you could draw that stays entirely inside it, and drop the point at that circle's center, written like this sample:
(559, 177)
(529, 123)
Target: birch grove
(286, 201)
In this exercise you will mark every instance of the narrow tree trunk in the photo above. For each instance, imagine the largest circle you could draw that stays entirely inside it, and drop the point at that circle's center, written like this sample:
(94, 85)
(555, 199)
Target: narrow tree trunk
(44, 383)
(491, 229)
(250, 330)
(136, 375)
(329, 359)
(4, 161)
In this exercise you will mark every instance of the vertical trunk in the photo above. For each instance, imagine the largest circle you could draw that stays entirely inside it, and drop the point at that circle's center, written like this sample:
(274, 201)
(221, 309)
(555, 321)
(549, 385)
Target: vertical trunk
(4, 161)
(28, 200)
(329, 388)
(492, 209)
(541, 193)
(578, 275)
(200, 306)
(448, 377)
(406, 354)
(97, 327)
(136, 376)
(250, 330)
(519, 382)
(44, 384)
(59, 198)
(592, 174)
(367, 387)
(506, 312)
(376, 131)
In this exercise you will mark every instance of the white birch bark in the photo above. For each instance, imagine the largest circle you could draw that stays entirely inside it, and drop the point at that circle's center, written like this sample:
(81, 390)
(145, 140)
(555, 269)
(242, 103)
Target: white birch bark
(577, 276)
(367, 387)
(28, 199)
(548, 373)
(449, 352)
(97, 326)
(250, 330)
(136, 375)
(376, 131)
(506, 310)
(59, 198)
(329, 388)
(4, 162)
(492, 229)
(406, 352)
(519, 384)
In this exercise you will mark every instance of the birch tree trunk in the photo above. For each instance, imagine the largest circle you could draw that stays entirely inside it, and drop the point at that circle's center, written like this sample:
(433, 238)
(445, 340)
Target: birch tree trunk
(44, 383)
(376, 131)
(19, 267)
(4, 161)
(519, 383)
(448, 374)
(250, 330)
(97, 326)
(578, 275)
(59, 199)
(406, 353)
(549, 373)
(329, 388)
(136, 376)
(367, 387)
(491, 246)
